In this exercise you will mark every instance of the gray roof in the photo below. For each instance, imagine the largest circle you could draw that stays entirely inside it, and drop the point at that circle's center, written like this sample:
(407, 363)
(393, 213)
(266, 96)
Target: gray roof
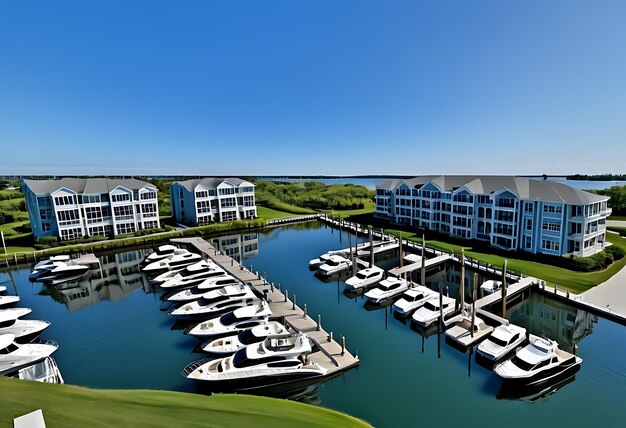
(210, 182)
(523, 188)
(86, 185)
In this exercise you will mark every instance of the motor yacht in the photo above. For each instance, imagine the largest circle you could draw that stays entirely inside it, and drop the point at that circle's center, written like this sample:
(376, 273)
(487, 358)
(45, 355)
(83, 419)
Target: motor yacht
(8, 301)
(503, 339)
(25, 331)
(202, 269)
(14, 356)
(232, 322)
(231, 344)
(62, 272)
(364, 278)
(413, 299)
(3, 289)
(175, 262)
(430, 311)
(490, 286)
(204, 287)
(271, 362)
(540, 361)
(461, 332)
(163, 252)
(411, 258)
(316, 263)
(47, 265)
(335, 264)
(217, 302)
(387, 289)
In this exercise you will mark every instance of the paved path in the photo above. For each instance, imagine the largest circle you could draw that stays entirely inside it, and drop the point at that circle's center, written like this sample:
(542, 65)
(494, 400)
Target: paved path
(616, 223)
(611, 293)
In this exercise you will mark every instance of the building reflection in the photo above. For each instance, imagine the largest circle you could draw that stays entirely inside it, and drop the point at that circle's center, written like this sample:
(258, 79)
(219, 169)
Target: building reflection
(119, 275)
(239, 247)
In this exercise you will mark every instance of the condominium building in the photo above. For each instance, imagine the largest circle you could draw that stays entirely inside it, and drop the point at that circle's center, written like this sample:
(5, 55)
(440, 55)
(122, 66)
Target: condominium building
(511, 213)
(74, 207)
(212, 199)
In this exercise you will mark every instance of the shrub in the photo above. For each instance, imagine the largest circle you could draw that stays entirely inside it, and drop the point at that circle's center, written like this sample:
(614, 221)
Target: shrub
(46, 240)
(617, 252)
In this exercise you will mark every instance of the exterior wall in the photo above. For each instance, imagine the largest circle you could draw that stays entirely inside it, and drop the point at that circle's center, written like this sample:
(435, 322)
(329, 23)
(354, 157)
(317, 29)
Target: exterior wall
(70, 215)
(503, 219)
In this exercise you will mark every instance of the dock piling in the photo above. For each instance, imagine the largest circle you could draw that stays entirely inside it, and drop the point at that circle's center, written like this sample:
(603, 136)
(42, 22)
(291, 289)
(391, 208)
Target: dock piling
(293, 303)
(474, 304)
(304, 311)
(286, 295)
(504, 289)
(330, 336)
(319, 322)
(343, 345)
(440, 306)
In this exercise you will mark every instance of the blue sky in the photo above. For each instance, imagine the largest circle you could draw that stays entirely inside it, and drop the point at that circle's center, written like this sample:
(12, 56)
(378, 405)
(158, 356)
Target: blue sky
(312, 87)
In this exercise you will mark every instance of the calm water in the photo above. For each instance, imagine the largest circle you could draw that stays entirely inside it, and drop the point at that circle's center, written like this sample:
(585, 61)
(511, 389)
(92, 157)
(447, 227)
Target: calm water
(370, 183)
(112, 333)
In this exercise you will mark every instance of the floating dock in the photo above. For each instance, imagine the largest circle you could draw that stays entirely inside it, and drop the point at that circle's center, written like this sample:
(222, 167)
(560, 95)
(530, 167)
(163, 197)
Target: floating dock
(332, 356)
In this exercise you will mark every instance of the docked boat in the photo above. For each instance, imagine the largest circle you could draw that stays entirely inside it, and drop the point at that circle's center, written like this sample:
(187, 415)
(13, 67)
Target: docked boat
(503, 339)
(490, 286)
(364, 278)
(411, 258)
(170, 278)
(175, 262)
(3, 289)
(540, 361)
(231, 344)
(8, 301)
(271, 362)
(46, 266)
(25, 331)
(232, 322)
(335, 264)
(413, 299)
(62, 272)
(217, 302)
(387, 289)
(45, 371)
(461, 332)
(204, 287)
(430, 311)
(316, 263)
(163, 252)
(14, 356)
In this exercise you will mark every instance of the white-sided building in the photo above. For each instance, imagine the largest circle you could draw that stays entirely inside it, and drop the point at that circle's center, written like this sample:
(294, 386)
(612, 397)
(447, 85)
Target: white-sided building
(511, 213)
(212, 199)
(71, 208)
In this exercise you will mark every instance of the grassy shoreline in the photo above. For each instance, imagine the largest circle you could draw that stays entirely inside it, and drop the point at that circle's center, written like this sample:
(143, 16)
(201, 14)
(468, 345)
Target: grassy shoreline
(68, 405)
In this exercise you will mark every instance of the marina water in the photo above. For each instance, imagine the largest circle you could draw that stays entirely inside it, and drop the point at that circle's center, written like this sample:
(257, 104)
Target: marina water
(113, 332)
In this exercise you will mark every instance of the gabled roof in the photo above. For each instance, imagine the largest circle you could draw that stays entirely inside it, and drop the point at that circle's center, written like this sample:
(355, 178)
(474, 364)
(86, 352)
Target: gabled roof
(86, 185)
(211, 182)
(523, 188)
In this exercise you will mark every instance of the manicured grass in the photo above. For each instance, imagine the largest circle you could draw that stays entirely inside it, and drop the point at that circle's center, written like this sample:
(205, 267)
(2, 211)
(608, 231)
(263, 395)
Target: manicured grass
(369, 208)
(9, 228)
(576, 282)
(617, 218)
(18, 250)
(269, 213)
(66, 405)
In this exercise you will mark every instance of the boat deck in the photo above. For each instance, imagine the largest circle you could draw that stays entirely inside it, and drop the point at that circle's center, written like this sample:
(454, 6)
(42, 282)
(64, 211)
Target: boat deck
(329, 354)
(416, 266)
(461, 335)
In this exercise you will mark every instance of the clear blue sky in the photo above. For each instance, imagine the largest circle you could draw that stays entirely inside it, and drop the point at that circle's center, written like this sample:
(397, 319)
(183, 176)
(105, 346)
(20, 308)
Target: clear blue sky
(312, 87)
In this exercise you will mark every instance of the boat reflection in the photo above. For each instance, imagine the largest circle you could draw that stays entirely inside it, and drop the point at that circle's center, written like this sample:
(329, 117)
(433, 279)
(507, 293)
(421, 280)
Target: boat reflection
(536, 393)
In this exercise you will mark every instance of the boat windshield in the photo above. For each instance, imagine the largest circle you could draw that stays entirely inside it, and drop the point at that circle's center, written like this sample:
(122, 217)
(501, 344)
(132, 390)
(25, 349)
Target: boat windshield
(524, 365)
(228, 318)
(431, 307)
(360, 275)
(246, 337)
(497, 341)
(332, 263)
(11, 348)
(240, 360)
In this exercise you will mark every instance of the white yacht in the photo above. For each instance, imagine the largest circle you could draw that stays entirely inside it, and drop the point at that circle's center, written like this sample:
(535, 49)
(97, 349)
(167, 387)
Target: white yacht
(62, 272)
(14, 356)
(413, 299)
(271, 362)
(387, 289)
(430, 311)
(24, 330)
(176, 262)
(232, 322)
(47, 265)
(504, 339)
(316, 263)
(8, 301)
(163, 252)
(461, 332)
(410, 258)
(364, 278)
(540, 361)
(217, 302)
(231, 344)
(490, 286)
(204, 287)
(3, 289)
(170, 278)
(335, 264)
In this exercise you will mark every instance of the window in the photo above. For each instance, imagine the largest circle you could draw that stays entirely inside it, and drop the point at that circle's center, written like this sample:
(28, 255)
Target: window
(229, 216)
(120, 198)
(150, 225)
(125, 228)
(93, 199)
(66, 200)
(124, 212)
(68, 217)
(45, 214)
(45, 227)
(202, 194)
(149, 210)
(552, 209)
(528, 207)
(97, 231)
(227, 191)
(228, 203)
(550, 245)
(246, 189)
(527, 241)
(203, 207)
(44, 201)
(551, 227)
(71, 233)
(93, 214)
(529, 224)
(148, 195)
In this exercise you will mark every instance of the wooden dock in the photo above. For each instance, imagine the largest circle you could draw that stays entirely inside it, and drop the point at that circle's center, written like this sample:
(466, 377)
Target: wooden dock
(330, 354)
(417, 266)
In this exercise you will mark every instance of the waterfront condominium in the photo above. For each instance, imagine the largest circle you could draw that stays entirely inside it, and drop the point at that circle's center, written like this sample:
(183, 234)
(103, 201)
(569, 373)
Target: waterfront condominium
(74, 207)
(212, 199)
(510, 213)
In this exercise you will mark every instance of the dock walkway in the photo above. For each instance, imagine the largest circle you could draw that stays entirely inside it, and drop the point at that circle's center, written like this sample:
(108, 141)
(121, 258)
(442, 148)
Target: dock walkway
(329, 355)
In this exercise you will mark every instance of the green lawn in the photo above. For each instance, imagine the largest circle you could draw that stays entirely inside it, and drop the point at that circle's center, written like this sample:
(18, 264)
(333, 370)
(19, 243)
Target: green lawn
(369, 208)
(66, 405)
(9, 228)
(576, 282)
(269, 213)
(617, 218)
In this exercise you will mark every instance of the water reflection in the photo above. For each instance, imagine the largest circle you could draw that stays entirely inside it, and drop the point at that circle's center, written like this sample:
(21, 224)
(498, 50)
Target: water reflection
(239, 247)
(533, 394)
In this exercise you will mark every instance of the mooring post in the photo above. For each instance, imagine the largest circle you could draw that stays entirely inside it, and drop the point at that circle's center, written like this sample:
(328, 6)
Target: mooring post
(474, 304)
(504, 289)
(265, 276)
(330, 336)
(440, 306)
(371, 246)
(272, 287)
(232, 261)
(423, 271)
(15, 258)
(251, 269)
(304, 312)
(462, 288)
(286, 295)
(343, 345)
(319, 322)
(293, 302)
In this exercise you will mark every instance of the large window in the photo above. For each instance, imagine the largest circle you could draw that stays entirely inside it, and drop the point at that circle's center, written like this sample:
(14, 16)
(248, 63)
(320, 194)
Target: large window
(203, 207)
(68, 217)
(120, 198)
(92, 199)
(550, 245)
(202, 194)
(97, 231)
(150, 224)
(93, 214)
(148, 195)
(552, 209)
(229, 215)
(149, 210)
(124, 212)
(227, 191)
(551, 227)
(71, 233)
(228, 203)
(125, 228)
(66, 200)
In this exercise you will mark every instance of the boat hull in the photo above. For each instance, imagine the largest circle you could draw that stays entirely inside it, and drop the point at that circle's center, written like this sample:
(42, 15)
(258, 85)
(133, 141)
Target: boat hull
(564, 369)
